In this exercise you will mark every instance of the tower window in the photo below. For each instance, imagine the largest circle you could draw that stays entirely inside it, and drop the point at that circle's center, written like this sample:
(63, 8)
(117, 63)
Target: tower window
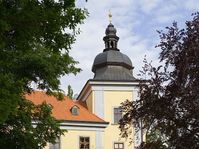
(75, 110)
(117, 115)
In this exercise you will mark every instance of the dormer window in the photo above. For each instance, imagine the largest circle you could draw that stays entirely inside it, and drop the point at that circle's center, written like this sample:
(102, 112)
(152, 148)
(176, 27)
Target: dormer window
(75, 110)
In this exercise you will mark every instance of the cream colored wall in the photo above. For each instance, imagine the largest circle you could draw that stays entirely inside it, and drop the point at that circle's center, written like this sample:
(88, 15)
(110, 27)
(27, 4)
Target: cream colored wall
(114, 99)
(70, 139)
(90, 102)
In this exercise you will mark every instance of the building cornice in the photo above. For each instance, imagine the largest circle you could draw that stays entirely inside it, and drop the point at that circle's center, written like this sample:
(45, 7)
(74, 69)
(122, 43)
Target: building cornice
(80, 125)
(86, 90)
(85, 124)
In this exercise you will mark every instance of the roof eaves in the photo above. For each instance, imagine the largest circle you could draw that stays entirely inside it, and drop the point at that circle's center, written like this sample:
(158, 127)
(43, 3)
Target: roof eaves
(92, 122)
(84, 124)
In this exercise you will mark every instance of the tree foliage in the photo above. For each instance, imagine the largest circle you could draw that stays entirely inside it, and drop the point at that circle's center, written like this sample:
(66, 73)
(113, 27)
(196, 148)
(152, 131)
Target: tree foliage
(169, 101)
(70, 92)
(35, 40)
(30, 127)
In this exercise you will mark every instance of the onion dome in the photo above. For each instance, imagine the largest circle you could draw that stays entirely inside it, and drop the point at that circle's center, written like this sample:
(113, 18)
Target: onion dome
(111, 64)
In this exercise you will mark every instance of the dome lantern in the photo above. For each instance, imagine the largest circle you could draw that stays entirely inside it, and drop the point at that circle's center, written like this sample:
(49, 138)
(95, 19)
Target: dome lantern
(111, 38)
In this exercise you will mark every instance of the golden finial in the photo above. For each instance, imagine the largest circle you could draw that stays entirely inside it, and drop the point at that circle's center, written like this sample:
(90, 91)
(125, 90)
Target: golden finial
(110, 16)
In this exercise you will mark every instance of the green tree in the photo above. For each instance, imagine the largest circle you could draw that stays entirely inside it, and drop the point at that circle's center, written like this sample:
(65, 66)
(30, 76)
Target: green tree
(169, 101)
(35, 40)
(70, 92)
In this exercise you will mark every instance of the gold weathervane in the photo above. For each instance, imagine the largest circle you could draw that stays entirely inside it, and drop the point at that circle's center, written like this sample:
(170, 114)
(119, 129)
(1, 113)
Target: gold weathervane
(110, 16)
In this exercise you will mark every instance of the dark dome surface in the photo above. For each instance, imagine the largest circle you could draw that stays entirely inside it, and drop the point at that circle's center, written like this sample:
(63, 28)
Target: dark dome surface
(112, 57)
(110, 30)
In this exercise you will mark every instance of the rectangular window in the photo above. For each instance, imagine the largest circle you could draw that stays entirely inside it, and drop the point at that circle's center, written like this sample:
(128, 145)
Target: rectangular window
(84, 143)
(56, 145)
(117, 115)
(118, 145)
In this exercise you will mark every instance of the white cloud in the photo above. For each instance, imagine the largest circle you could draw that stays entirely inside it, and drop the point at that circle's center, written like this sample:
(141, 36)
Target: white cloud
(192, 5)
(148, 5)
(136, 22)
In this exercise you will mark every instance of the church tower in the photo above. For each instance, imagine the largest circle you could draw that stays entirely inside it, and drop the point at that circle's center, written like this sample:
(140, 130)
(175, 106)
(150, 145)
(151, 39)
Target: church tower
(112, 84)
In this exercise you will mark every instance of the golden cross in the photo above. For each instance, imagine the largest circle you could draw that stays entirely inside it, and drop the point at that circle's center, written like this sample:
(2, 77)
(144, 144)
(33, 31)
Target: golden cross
(110, 16)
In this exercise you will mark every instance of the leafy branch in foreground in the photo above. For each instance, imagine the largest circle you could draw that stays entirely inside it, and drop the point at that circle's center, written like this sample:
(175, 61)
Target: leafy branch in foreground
(35, 41)
(169, 100)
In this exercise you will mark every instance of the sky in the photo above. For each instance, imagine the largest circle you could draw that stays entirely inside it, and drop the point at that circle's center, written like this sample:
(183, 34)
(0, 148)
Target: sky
(136, 21)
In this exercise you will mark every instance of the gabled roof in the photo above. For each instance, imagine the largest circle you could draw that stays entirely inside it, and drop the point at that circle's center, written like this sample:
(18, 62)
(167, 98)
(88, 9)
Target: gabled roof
(62, 109)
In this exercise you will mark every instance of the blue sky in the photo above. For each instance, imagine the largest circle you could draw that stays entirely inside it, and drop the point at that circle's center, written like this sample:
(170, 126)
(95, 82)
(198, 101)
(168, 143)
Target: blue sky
(136, 22)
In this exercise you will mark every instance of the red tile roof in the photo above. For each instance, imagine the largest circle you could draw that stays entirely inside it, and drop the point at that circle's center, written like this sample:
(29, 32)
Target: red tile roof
(62, 109)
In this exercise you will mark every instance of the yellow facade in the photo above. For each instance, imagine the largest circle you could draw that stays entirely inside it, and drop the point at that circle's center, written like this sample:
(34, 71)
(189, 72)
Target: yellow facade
(114, 99)
(70, 140)
(90, 102)
(108, 98)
